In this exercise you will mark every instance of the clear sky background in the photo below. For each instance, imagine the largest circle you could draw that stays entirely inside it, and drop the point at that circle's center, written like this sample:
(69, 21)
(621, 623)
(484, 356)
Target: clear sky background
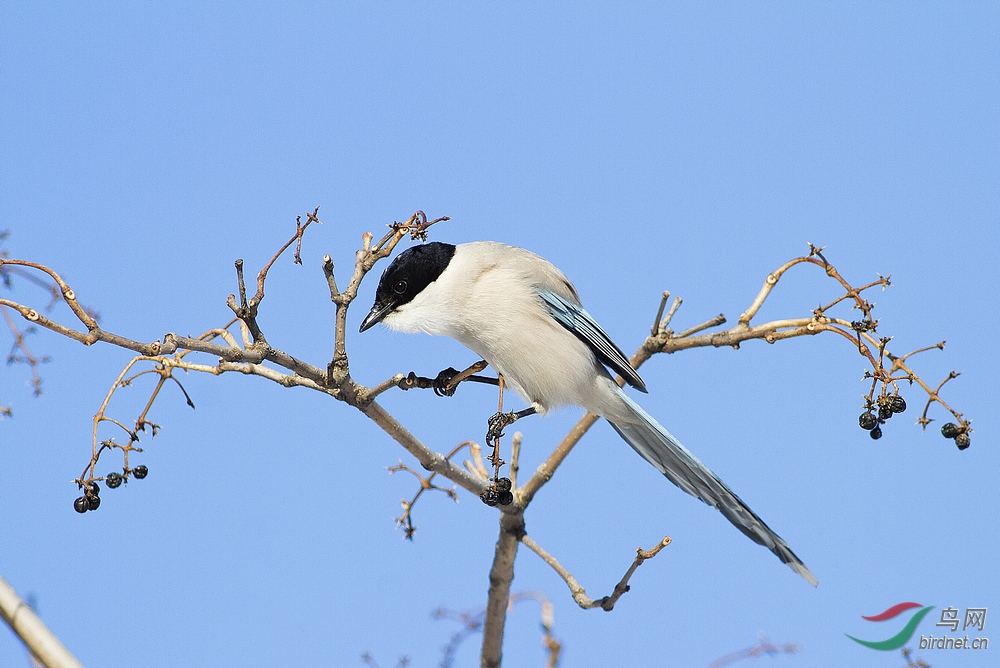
(639, 148)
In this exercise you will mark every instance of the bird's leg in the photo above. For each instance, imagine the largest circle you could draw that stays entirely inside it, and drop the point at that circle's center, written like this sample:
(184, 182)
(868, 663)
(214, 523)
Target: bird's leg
(500, 393)
(495, 431)
(499, 489)
(501, 419)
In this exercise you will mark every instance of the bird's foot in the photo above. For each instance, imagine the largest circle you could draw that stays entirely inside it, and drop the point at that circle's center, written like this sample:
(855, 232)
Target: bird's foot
(497, 423)
(447, 381)
(443, 386)
(501, 420)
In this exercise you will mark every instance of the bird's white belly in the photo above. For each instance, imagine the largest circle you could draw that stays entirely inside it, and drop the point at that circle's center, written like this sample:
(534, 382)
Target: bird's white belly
(549, 369)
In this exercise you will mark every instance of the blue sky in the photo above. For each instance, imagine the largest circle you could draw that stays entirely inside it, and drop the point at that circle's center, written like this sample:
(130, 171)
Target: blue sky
(641, 148)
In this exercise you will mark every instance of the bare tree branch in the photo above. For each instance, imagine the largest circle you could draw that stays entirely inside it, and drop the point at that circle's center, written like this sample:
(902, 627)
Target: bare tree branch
(764, 647)
(501, 577)
(606, 603)
(25, 356)
(473, 623)
(406, 520)
(40, 641)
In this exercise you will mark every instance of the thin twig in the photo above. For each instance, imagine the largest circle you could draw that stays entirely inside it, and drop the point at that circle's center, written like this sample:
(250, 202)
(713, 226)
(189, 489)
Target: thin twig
(606, 603)
(765, 646)
(515, 457)
(406, 520)
(659, 313)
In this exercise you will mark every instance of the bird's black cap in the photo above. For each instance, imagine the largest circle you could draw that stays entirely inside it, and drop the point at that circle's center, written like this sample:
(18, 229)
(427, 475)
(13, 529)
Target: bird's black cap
(412, 271)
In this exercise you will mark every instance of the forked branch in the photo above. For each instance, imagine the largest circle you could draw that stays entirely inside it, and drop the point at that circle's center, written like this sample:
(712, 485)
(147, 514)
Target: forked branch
(606, 603)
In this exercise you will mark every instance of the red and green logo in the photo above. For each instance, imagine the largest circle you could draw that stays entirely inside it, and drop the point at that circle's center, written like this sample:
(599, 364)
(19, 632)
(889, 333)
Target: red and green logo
(901, 638)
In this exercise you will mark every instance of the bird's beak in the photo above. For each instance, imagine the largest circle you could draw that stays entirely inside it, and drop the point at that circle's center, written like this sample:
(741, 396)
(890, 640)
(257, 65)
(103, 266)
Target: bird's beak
(375, 316)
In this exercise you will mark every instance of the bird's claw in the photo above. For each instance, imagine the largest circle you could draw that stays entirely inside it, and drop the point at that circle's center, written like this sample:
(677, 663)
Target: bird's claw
(442, 384)
(497, 424)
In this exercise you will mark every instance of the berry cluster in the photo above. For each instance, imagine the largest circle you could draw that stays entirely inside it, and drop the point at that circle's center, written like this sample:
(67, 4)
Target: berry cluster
(887, 407)
(498, 493)
(961, 436)
(91, 499)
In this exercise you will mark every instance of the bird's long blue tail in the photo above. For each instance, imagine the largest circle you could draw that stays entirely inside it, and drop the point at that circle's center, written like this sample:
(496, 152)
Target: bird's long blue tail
(658, 447)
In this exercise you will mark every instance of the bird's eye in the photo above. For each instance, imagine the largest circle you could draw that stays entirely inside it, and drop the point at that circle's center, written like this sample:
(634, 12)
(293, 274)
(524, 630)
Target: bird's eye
(399, 288)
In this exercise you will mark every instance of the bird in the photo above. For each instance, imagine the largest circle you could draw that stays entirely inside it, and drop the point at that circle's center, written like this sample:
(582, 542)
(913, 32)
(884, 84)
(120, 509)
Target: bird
(521, 315)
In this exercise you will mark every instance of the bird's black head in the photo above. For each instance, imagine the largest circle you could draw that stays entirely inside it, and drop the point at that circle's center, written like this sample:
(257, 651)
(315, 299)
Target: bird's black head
(412, 271)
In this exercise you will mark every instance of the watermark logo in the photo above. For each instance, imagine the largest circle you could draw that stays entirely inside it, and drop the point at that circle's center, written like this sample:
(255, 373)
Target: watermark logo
(901, 638)
(974, 618)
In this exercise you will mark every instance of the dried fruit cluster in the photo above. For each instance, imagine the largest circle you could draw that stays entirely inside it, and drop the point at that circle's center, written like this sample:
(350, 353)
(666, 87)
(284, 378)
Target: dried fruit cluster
(91, 499)
(498, 494)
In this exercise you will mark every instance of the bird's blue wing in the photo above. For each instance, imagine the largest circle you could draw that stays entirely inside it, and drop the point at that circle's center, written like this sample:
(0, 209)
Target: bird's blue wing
(574, 318)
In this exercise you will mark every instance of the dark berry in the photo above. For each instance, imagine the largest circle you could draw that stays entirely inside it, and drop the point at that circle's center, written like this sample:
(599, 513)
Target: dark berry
(503, 485)
(884, 413)
(867, 421)
(898, 404)
(876, 433)
(140, 471)
(94, 501)
(93, 489)
(81, 505)
(113, 480)
(950, 430)
(962, 441)
(489, 496)
(505, 498)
